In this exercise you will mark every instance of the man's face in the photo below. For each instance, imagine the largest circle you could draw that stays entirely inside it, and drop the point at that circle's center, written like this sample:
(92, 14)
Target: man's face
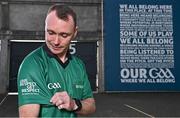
(59, 33)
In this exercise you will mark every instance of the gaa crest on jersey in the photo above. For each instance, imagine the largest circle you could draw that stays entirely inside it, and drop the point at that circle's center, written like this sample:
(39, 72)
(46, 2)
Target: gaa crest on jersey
(54, 85)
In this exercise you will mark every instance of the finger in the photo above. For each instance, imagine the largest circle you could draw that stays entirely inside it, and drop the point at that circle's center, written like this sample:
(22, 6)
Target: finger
(55, 96)
(59, 102)
(55, 99)
(59, 98)
(61, 107)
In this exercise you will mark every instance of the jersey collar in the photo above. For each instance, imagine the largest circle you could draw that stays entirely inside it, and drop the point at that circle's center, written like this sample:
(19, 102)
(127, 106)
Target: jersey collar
(51, 55)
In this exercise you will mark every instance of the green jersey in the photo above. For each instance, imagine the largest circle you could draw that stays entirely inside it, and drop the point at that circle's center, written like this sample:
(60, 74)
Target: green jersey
(42, 74)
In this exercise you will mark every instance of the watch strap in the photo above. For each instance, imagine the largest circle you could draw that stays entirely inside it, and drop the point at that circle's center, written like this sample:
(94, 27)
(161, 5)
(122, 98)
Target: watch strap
(79, 105)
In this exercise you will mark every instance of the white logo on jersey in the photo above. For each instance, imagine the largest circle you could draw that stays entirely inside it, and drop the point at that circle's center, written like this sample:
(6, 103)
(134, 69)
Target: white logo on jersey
(54, 85)
(27, 87)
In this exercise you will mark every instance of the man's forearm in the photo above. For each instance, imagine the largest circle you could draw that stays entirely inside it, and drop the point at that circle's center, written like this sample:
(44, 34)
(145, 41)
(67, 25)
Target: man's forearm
(63, 101)
(29, 110)
(88, 107)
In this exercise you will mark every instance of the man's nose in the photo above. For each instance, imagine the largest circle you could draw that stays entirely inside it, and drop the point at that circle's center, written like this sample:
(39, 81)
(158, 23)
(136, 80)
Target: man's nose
(57, 40)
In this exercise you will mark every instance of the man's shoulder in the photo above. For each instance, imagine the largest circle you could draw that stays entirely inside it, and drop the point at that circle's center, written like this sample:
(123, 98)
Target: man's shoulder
(76, 59)
(35, 55)
(31, 63)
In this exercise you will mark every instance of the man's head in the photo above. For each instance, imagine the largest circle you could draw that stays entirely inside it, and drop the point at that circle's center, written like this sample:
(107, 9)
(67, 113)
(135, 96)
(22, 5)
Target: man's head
(62, 12)
(60, 29)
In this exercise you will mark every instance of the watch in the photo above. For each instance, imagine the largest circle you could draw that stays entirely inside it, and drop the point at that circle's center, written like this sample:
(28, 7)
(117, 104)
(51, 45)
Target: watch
(79, 105)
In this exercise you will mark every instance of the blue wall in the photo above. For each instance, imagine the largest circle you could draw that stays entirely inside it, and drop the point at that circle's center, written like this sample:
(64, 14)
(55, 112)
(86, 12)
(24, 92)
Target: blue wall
(149, 59)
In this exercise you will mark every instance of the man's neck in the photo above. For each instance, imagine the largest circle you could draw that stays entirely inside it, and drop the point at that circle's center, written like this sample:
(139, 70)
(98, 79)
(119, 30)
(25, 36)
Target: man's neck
(63, 57)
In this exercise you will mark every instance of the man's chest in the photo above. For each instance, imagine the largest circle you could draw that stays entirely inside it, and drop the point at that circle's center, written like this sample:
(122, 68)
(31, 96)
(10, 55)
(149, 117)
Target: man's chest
(59, 79)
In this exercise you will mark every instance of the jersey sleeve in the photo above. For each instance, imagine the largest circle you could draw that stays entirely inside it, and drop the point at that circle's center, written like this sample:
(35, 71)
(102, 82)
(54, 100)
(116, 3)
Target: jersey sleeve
(31, 83)
(87, 91)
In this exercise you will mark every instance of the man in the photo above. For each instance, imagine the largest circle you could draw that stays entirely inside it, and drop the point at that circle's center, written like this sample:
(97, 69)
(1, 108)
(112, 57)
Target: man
(51, 82)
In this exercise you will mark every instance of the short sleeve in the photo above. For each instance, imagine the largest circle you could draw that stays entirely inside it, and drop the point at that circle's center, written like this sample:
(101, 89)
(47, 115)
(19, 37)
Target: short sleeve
(32, 87)
(87, 91)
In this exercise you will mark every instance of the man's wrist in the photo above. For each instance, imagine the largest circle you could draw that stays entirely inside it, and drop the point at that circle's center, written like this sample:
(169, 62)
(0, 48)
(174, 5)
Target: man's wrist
(74, 105)
(77, 105)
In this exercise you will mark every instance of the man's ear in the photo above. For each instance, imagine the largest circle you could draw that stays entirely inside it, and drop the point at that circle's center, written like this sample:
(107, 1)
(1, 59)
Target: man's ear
(75, 32)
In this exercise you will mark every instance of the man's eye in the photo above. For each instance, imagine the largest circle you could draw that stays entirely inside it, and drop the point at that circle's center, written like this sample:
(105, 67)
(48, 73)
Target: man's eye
(64, 35)
(51, 33)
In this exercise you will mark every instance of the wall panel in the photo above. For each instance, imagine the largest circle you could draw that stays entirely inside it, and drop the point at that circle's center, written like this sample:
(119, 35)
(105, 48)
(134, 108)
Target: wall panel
(31, 17)
(0, 17)
(27, 17)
